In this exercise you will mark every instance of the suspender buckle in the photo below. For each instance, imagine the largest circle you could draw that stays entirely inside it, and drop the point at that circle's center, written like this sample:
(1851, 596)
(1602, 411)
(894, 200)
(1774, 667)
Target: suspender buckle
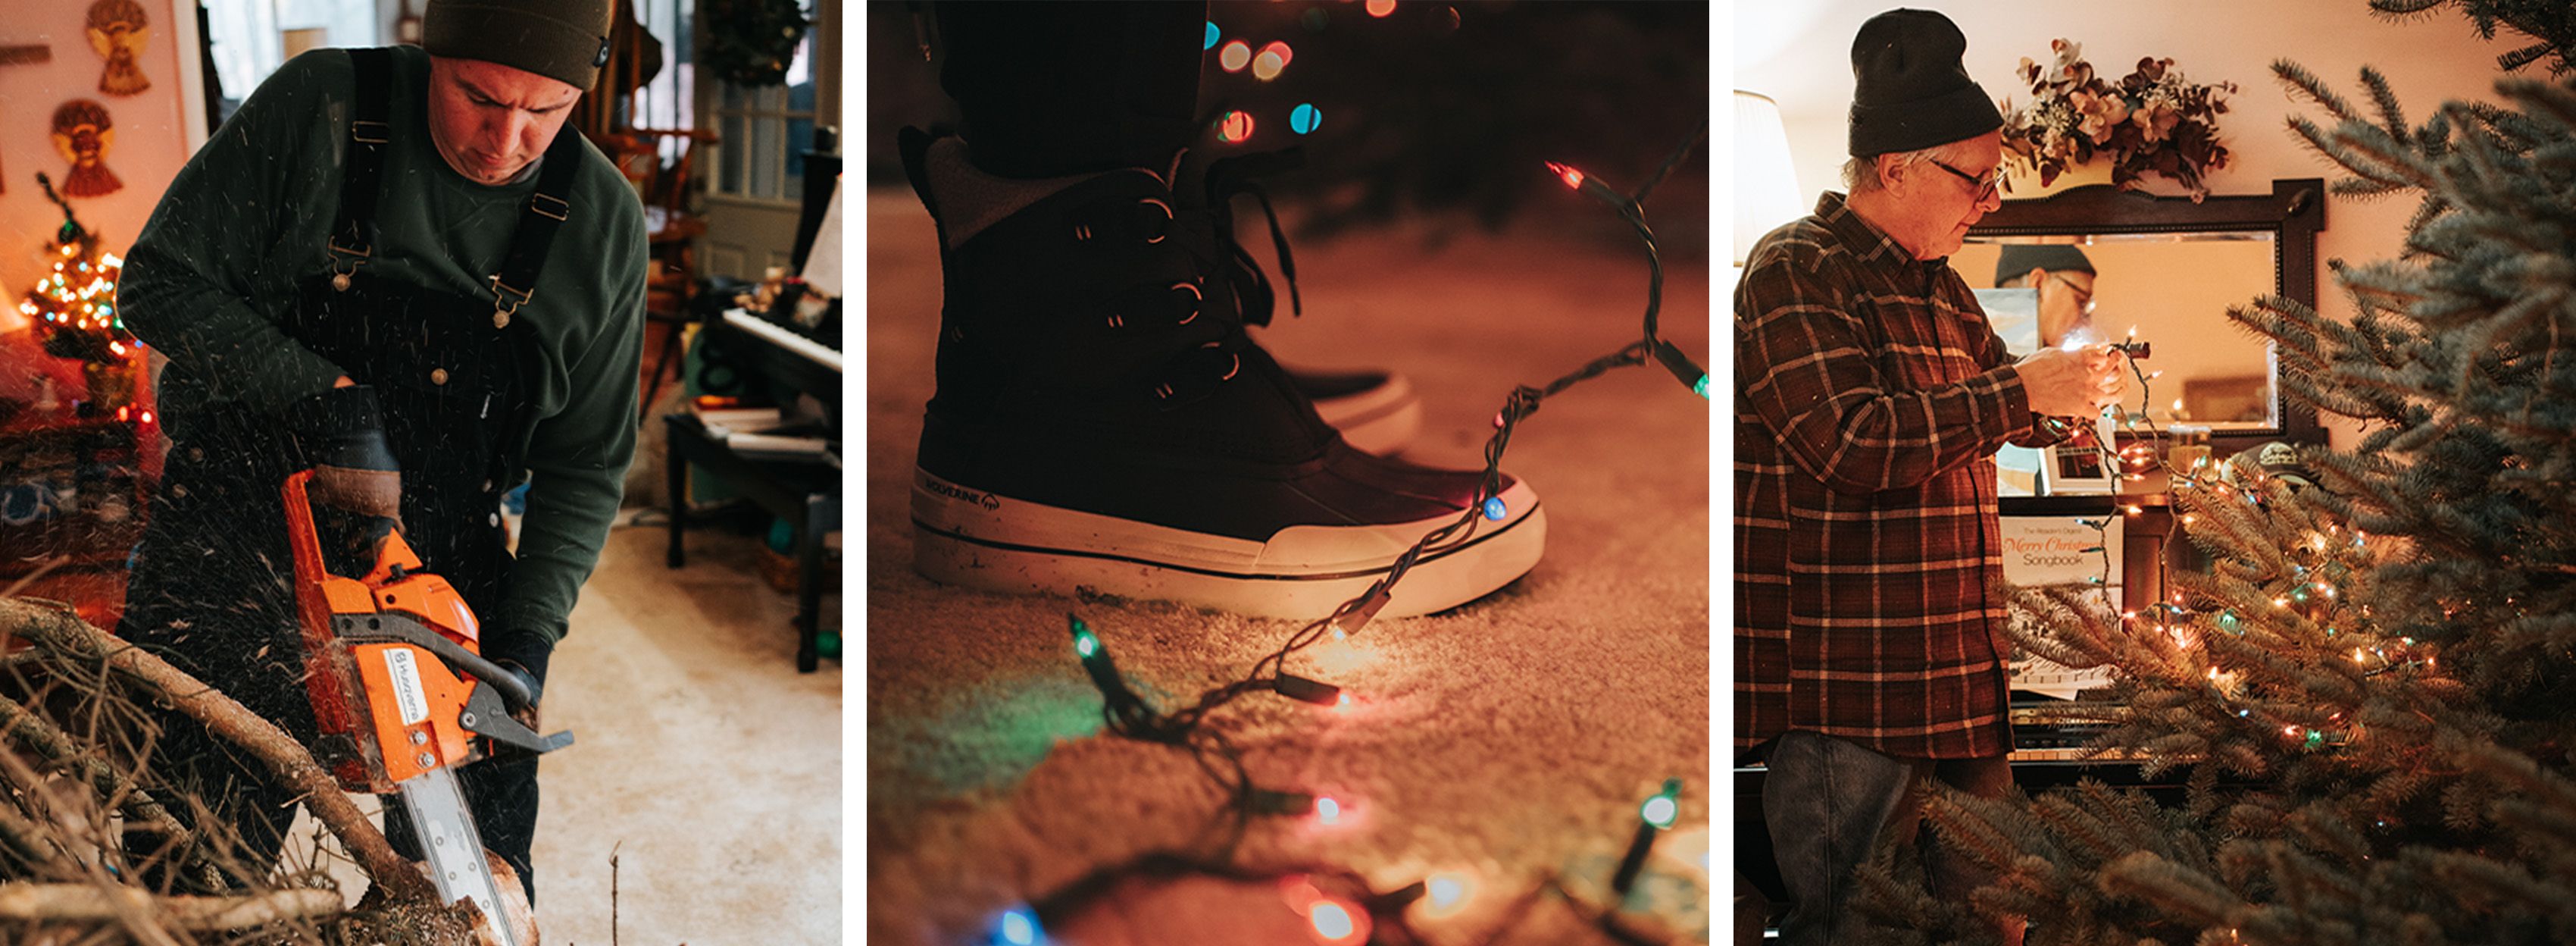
(355, 257)
(367, 132)
(538, 204)
(506, 300)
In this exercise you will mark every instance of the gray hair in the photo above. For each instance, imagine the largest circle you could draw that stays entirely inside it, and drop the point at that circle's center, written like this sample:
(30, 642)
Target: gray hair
(1861, 173)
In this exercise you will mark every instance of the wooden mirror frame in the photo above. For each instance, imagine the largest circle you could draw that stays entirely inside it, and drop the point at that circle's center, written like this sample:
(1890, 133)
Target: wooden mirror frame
(2294, 212)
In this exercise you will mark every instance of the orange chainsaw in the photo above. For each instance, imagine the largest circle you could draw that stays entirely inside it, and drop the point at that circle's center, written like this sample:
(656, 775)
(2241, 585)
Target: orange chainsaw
(403, 696)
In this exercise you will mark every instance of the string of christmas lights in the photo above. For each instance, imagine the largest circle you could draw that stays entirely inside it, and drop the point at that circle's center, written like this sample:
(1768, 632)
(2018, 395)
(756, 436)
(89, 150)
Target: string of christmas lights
(2173, 618)
(74, 306)
(1127, 714)
(1344, 909)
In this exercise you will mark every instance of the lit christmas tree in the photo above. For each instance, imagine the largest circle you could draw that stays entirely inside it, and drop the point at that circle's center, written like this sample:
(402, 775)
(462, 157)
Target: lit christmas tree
(74, 307)
(2372, 689)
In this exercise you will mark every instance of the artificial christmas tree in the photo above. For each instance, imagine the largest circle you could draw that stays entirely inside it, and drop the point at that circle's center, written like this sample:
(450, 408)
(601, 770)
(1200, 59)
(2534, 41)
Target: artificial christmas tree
(2372, 689)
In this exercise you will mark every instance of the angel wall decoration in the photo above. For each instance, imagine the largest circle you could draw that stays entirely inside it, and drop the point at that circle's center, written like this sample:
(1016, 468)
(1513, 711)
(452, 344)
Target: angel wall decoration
(83, 133)
(117, 30)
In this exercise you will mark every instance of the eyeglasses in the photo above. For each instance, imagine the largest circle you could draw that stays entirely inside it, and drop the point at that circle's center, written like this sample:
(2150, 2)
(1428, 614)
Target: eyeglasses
(1985, 185)
(2083, 296)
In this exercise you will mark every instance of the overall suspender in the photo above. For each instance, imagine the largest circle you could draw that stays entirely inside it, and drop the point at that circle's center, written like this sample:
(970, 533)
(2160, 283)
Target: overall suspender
(353, 234)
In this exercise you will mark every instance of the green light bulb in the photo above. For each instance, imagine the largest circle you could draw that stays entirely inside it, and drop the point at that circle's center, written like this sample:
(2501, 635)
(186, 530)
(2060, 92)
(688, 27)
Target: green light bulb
(1701, 388)
(1085, 643)
(1659, 811)
(1663, 807)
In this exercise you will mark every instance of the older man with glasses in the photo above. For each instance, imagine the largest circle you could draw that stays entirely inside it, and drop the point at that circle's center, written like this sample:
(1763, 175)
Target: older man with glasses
(1871, 398)
(2064, 277)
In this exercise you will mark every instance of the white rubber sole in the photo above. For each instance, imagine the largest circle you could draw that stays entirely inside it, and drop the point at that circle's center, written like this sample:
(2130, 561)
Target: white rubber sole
(968, 537)
(1382, 420)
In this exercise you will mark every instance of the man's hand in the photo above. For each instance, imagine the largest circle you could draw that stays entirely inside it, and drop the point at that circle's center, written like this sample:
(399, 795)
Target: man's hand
(526, 715)
(2076, 383)
(343, 435)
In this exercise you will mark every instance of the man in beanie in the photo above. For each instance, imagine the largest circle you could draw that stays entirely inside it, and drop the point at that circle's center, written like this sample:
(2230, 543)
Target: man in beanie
(1871, 397)
(2064, 277)
(397, 268)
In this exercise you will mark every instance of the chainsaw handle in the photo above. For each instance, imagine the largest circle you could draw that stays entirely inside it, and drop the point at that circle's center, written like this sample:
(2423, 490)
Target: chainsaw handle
(514, 691)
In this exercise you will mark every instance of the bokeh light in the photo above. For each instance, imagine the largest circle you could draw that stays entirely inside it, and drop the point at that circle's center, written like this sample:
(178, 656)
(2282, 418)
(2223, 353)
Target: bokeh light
(1446, 893)
(1235, 56)
(1328, 811)
(1286, 55)
(1380, 7)
(1659, 811)
(1336, 924)
(1266, 66)
(1304, 118)
(1019, 928)
(1212, 36)
(1234, 127)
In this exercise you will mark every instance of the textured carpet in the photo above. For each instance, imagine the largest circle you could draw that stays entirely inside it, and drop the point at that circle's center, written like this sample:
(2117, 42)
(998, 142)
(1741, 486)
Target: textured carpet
(1500, 744)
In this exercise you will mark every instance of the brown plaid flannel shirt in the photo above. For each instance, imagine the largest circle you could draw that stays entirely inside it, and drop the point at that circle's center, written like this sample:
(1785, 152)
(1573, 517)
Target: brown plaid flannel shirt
(1871, 396)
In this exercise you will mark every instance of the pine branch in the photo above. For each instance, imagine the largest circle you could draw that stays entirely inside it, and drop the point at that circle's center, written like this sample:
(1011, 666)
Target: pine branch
(66, 634)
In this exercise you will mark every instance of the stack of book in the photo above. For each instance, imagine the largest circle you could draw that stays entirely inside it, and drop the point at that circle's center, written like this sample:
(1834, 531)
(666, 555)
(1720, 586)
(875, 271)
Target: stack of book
(766, 433)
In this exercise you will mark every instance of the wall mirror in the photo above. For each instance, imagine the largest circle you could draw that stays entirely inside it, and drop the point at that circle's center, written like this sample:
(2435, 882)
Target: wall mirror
(2170, 268)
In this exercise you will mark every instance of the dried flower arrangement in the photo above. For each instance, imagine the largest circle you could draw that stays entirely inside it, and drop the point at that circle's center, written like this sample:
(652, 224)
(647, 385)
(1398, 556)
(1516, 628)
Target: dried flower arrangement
(2151, 121)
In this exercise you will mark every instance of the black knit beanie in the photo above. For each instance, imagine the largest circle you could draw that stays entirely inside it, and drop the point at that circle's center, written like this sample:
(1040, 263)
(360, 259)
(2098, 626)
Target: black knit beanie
(566, 40)
(1911, 89)
(2019, 259)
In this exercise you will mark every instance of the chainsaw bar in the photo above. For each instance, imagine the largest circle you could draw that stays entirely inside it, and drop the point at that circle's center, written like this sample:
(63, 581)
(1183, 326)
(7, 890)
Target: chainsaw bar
(456, 863)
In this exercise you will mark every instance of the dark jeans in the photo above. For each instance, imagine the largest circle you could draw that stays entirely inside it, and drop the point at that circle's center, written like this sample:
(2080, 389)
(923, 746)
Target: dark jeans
(1827, 802)
(1050, 89)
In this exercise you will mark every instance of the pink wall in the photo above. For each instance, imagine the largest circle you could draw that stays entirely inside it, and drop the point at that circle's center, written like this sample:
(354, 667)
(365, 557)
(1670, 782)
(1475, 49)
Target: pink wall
(151, 136)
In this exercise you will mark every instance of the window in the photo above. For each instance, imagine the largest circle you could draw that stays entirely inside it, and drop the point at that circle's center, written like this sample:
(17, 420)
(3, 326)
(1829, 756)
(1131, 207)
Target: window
(765, 132)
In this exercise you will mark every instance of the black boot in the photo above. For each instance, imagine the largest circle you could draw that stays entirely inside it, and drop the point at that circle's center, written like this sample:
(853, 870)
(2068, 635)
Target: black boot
(1103, 422)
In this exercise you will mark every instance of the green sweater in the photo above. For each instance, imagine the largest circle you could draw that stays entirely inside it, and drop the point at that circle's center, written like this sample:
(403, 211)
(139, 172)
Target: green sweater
(213, 275)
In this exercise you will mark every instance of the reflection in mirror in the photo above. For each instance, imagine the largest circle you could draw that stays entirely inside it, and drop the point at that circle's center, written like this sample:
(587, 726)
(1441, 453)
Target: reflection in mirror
(2170, 290)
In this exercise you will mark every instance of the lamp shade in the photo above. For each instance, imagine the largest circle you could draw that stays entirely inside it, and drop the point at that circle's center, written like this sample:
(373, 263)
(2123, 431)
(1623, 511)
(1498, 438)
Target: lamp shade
(1766, 185)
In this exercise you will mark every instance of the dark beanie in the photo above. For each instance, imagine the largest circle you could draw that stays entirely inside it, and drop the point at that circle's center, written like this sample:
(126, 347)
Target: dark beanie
(2019, 259)
(565, 40)
(1911, 90)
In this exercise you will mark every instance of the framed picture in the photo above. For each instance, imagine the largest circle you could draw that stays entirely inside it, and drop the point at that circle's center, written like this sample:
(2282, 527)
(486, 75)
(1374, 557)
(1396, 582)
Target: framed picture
(2081, 467)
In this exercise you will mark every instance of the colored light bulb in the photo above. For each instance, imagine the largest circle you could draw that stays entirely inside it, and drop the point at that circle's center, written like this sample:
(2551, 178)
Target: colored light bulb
(1566, 173)
(1266, 66)
(1304, 118)
(1661, 809)
(1019, 928)
(1701, 388)
(1494, 508)
(1234, 127)
(1380, 8)
(1332, 920)
(1446, 891)
(1212, 36)
(1234, 56)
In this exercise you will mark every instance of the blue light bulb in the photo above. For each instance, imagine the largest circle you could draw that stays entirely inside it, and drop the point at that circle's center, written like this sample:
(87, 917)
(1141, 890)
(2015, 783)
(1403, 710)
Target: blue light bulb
(1019, 928)
(1304, 118)
(1494, 508)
